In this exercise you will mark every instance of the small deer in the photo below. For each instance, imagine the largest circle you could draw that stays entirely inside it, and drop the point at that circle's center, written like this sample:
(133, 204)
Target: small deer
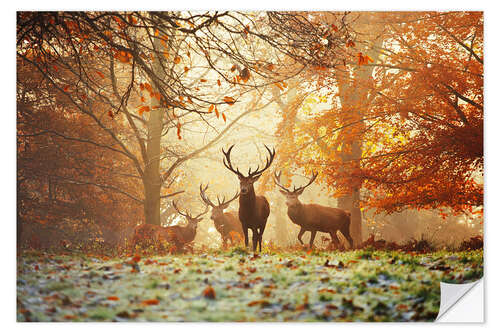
(254, 210)
(185, 235)
(156, 235)
(147, 235)
(227, 224)
(313, 217)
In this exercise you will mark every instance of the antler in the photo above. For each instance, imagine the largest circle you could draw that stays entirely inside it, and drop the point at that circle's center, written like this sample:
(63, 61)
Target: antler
(187, 215)
(269, 160)
(178, 211)
(258, 172)
(224, 202)
(313, 178)
(227, 156)
(204, 212)
(204, 196)
(277, 176)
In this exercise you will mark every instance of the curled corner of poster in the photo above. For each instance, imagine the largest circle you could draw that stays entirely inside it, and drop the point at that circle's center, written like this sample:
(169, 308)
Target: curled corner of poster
(462, 303)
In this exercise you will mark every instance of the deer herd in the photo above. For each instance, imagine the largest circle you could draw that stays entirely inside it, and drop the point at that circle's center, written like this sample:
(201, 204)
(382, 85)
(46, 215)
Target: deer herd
(252, 214)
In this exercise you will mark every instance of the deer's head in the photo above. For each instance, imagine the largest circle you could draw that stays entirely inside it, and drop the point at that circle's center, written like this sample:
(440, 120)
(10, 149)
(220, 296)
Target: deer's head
(292, 196)
(246, 182)
(217, 209)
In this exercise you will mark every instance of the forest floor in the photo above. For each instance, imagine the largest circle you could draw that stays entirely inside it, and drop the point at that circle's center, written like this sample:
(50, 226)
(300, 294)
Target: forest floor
(362, 285)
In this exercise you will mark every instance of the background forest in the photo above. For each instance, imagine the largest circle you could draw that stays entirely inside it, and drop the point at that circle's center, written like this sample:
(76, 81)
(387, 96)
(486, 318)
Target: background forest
(119, 113)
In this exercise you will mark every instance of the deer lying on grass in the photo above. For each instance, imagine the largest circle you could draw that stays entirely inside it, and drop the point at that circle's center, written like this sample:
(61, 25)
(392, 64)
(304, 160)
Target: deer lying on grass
(178, 236)
(227, 224)
(254, 210)
(314, 218)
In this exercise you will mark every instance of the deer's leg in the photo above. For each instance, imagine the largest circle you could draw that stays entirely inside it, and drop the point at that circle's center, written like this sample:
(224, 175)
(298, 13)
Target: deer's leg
(245, 233)
(261, 233)
(257, 234)
(255, 239)
(347, 235)
(311, 241)
(299, 236)
(335, 239)
(260, 240)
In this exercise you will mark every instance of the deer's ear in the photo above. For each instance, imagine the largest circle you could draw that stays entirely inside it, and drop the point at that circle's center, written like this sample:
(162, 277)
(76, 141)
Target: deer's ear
(224, 206)
(299, 192)
(283, 192)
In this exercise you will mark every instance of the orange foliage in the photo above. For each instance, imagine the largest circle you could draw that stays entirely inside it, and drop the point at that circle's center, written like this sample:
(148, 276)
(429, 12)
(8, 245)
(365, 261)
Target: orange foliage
(61, 174)
(415, 115)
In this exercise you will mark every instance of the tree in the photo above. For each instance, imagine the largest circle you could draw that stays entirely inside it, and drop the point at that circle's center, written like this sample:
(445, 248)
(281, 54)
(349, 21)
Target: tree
(404, 122)
(168, 64)
(345, 85)
(66, 179)
(435, 107)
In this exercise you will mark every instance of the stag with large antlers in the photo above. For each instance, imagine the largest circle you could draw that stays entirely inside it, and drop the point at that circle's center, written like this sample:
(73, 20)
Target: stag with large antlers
(227, 224)
(313, 217)
(254, 210)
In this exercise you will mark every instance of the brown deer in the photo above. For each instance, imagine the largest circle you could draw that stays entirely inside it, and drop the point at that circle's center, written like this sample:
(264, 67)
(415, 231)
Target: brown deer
(254, 210)
(149, 235)
(227, 224)
(178, 236)
(314, 218)
(185, 235)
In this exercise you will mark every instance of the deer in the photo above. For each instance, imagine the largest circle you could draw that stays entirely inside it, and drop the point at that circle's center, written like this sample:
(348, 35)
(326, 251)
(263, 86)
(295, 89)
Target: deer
(254, 210)
(178, 236)
(227, 223)
(147, 235)
(185, 235)
(313, 217)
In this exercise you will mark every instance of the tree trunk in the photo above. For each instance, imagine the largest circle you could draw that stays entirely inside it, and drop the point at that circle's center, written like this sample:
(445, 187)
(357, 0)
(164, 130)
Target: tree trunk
(290, 112)
(152, 180)
(357, 96)
(281, 220)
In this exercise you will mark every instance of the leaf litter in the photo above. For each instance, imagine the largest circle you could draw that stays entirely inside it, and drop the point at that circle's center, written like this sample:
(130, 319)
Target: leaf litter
(237, 286)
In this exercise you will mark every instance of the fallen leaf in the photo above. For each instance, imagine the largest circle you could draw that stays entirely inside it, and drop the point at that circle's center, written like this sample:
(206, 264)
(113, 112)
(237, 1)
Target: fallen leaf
(261, 302)
(150, 302)
(209, 292)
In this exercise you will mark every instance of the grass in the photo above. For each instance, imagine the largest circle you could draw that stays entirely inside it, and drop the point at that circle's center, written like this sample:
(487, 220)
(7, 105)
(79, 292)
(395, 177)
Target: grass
(362, 285)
